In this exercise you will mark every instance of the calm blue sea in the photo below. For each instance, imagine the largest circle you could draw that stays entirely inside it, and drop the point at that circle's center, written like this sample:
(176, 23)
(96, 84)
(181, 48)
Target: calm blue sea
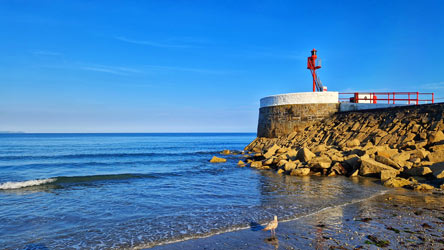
(102, 191)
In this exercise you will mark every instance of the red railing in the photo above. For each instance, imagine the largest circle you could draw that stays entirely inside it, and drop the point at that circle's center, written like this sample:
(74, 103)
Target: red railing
(387, 97)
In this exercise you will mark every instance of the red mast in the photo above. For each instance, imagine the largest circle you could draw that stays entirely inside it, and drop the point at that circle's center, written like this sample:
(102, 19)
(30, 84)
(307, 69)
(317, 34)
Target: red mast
(311, 65)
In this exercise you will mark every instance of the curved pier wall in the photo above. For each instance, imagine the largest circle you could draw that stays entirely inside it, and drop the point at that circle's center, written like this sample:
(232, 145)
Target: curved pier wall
(282, 114)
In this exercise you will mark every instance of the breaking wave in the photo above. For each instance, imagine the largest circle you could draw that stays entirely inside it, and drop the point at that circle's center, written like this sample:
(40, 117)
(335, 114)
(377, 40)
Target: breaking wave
(23, 184)
(71, 180)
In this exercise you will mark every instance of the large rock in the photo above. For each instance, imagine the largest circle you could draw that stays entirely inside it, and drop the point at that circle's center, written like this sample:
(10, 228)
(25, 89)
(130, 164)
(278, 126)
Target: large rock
(439, 147)
(353, 143)
(401, 158)
(270, 152)
(321, 162)
(338, 169)
(437, 156)
(419, 153)
(436, 137)
(269, 161)
(387, 161)
(388, 173)
(320, 148)
(370, 167)
(282, 163)
(292, 154)
(216, 159)
(256, 164)
(305, 155)
(281, 150)
(423, 187)
(241, 163)
(386, 152)
(352, 161)
(225, 152)
(417, 171)
(290, 166)
(397, 182)
(300, 171)
(438, 170)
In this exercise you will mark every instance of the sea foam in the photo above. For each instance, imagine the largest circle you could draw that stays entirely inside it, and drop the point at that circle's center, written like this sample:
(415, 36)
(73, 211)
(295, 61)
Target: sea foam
(22, 184)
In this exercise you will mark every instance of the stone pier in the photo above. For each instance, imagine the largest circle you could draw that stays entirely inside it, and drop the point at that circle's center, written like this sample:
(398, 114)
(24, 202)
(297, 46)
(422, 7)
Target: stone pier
(282, 114)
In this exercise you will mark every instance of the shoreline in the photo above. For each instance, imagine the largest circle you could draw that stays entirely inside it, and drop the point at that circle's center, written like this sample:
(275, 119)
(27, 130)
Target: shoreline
(397, 218)
(256, 225)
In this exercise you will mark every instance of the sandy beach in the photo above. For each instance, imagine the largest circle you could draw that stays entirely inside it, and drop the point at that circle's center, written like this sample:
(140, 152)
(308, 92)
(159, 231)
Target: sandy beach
(398, 219)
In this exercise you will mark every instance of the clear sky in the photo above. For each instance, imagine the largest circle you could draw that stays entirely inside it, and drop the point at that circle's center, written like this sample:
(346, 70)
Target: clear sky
(201, 66)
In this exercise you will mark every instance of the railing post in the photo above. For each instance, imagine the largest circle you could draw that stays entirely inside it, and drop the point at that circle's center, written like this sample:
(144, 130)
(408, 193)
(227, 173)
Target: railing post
(417, 98)
(409, 97)
(433, 97)
(388, 98)
(393, 97)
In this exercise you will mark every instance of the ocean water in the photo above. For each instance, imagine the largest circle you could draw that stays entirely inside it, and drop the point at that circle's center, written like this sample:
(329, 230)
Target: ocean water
(130, 191)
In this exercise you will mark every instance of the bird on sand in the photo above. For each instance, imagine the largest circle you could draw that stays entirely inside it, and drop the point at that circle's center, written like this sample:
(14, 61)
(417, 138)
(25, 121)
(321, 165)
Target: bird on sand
(272, 226)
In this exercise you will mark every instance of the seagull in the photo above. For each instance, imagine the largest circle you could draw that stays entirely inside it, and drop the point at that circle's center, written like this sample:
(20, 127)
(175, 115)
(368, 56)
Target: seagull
(272, 226)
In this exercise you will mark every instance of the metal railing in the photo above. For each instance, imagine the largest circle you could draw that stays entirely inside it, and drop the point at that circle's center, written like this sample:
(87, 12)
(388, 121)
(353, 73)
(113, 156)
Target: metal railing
(387, 97)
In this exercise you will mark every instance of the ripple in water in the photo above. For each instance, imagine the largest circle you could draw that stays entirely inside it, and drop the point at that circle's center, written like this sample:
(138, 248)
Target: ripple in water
(149, 202)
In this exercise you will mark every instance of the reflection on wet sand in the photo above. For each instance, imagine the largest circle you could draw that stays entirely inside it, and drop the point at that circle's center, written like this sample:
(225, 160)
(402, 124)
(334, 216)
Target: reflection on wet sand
(403, 219)
(273, 241)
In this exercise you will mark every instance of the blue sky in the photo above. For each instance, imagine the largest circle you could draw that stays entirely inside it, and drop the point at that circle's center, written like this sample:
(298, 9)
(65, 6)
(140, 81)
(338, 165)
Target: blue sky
(201, 66)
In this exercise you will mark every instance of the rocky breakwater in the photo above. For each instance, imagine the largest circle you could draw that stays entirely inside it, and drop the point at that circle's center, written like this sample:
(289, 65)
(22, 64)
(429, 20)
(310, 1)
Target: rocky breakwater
(403, 146)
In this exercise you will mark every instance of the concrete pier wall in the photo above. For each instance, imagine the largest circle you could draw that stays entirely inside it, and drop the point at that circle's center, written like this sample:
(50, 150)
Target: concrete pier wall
(283, 114)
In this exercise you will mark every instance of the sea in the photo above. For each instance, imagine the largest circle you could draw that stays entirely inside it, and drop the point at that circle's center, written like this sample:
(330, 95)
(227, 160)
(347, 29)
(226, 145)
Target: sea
(135, 191)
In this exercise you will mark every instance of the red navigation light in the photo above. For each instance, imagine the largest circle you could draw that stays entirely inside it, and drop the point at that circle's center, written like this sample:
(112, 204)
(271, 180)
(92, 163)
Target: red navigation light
(311, 65)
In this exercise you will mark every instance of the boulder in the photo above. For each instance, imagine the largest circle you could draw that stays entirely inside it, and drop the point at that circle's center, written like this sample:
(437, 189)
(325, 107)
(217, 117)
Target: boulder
(257, 149)
(241, 164)
(256, 164)
(304, 155)
(300, 171)
(358, 151)
(436, 137)
(225, 152)
(419, 153)
(352, 161)
(401, 158)
(438, 170)
(281, 150)
(268, 161)
(283, 157)
(439, 147)
(423, 187)
(282, 163)
(387, 161)
(320, 162)
(280, 171)
(270, 152)
(388, 173)
(291, 154)
(397, 182)
(386, 152)
(335, 156)
(436, 156)
(417, 171)
(216, 159)
(371, 167)
(353, 143)
(290, 166)
(355, 174)
(338, 169)
(320, 148)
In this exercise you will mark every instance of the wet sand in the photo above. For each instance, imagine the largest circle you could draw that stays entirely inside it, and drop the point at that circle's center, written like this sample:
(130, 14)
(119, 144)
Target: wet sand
(398, 219)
